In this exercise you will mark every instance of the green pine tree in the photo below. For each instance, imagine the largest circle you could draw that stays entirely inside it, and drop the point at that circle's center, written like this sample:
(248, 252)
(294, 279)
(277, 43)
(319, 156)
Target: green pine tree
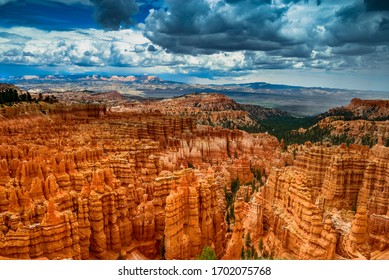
(207, 254)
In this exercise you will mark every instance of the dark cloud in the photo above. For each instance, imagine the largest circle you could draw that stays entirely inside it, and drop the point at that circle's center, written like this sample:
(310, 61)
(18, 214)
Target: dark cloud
(255, 61)
(260, 2)
(301, 51)
(113, 14)
(377, 5)
(12, 52)
(14, 38)
(355, 24)
(384, 24)
(353, 50)
(224, 37)
(204, 27)
(28, 54)
(350, 13)
(151, 48)
(196, 26)
(274, 36)
(318, 2)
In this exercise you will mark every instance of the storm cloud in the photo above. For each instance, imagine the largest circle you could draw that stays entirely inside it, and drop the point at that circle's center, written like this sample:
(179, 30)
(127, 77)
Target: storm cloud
(359, 23)
(201, 26)
(377, 5)
(205, 27)
(207, 38)
(276, 34)
(113, 14)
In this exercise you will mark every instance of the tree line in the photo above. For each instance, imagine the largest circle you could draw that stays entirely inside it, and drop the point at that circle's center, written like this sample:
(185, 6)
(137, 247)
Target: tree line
(11, 96)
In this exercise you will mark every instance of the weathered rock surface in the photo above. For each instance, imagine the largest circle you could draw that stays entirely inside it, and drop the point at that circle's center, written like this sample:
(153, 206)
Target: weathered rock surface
(83, 182)
(307, 210)
(80, 182)
(368, 109)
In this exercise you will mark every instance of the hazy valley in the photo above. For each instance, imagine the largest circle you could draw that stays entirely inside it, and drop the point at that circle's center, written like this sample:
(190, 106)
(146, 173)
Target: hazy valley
(298, 101)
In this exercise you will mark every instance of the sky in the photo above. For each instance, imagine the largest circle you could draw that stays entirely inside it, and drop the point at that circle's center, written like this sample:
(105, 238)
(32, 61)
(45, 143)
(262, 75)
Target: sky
(327, 43)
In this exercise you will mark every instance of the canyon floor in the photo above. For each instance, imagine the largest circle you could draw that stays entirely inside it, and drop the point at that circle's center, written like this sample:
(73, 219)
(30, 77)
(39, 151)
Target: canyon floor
(98, 176)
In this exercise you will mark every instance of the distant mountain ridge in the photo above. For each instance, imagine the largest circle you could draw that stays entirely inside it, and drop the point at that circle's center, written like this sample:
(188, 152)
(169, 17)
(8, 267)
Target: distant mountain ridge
(263, 85)
(296, 100)
(92, 77)
(145, 79)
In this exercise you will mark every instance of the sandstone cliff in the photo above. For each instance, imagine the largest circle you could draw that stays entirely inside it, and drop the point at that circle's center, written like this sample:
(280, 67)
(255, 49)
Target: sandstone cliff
(327, 205)
(83, 183)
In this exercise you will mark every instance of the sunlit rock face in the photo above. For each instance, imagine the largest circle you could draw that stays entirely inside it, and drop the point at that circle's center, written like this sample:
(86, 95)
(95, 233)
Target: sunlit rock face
(367, 109)
(332, 203)
(82, 182)
(163, 179)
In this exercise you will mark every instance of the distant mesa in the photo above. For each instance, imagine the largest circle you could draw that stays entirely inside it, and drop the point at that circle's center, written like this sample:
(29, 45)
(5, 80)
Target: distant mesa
(116, 78)
(30, 77)
(93, 77)
(122, 79)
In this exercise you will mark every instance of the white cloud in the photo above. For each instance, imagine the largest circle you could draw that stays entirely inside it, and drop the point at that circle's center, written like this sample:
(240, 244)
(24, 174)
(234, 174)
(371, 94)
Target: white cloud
(97, 48)
(128, 48)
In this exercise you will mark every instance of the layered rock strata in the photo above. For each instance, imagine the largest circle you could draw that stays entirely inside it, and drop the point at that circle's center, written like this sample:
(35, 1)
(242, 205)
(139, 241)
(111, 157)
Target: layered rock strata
(309, 210)
(83, 183)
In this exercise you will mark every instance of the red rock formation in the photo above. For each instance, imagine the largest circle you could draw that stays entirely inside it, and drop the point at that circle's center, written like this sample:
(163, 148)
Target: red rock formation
(190, 217)
(303, 207)
(106, 184)
(81, 182)
(235, 243)
(356, 242)
(369, 108)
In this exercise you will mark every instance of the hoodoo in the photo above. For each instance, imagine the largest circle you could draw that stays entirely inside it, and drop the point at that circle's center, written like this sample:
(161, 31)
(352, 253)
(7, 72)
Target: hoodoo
(163, 179)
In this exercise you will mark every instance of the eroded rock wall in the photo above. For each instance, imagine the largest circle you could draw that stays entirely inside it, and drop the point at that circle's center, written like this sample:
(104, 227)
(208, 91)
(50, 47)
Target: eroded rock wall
(83, 183)
(331, 203)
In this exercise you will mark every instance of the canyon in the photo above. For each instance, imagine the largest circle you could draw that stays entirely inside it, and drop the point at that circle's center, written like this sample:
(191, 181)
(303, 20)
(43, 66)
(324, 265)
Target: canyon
(101, 177)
